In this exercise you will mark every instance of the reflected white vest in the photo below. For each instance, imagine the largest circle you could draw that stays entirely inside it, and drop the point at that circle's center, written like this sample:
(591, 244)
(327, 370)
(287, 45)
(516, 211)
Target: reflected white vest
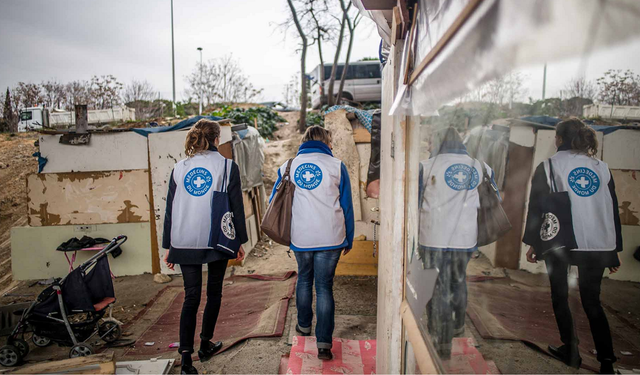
(587, 181)
(317, 218)
(196, 179)
(450, 201)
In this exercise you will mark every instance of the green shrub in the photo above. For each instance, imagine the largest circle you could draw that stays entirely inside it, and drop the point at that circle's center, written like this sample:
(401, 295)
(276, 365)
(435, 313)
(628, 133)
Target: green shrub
(266, 118)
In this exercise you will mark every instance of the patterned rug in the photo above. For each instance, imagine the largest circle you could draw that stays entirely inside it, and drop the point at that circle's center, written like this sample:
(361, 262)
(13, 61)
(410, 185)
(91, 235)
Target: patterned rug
(349, 357)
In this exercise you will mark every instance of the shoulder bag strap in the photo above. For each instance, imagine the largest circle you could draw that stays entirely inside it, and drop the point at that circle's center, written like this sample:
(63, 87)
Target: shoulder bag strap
(288, 170)
(554, 187)
(224, 178)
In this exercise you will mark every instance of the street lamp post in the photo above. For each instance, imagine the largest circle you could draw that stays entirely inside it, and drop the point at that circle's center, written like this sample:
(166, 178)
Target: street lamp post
(200, 106)
(173, 64)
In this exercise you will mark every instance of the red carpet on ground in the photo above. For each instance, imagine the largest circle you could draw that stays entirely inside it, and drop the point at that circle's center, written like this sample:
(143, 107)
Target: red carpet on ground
(466, 359)
(501, 309)
(349, 357)
(252, 306)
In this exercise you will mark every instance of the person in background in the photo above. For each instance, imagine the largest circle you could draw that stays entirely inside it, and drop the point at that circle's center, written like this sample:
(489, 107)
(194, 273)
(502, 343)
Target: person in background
(187, 226)
(448, 231)
(322, 226)
(596, 226)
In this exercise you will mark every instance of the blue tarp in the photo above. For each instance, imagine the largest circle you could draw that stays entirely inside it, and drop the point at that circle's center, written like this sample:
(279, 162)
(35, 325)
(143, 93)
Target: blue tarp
(365, 116)
(610, 129)
(179, 126)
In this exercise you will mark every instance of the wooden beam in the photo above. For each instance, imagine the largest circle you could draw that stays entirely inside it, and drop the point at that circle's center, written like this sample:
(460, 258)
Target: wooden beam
(445, 39)
(412, 35)
(396, 26)
(426, 359)
(404, 11)
(378, 4)
(104, 361)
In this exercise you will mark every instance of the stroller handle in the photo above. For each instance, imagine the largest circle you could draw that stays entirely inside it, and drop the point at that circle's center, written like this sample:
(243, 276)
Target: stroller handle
(115, 243)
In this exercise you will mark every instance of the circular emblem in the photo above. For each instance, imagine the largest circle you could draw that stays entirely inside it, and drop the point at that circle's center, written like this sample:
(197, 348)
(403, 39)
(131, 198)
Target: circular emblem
(308, 176)
(461, 176)
(550, 227)
(198, 181)
(584, 182)
(227, 226)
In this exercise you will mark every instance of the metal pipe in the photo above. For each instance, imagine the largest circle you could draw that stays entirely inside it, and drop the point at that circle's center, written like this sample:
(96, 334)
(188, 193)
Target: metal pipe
(200, 106)
(173, 64)
(64, 315)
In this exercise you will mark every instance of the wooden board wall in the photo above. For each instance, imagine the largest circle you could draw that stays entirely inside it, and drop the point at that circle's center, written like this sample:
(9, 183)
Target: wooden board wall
(88, 198)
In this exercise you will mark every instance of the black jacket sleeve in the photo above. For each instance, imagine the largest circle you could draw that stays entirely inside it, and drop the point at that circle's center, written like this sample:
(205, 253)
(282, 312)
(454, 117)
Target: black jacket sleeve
(539, 188)
(166, 235)
(237, 204)
(616, 214)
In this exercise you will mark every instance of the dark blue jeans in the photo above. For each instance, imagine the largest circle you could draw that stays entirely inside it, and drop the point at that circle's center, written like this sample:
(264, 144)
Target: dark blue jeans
(321, 267)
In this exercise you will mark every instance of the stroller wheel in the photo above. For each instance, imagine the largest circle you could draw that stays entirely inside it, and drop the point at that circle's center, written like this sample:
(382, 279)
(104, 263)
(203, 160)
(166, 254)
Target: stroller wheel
(10, 356)
(22, 345)
(40, 341)
(80, 350)
(110, 331)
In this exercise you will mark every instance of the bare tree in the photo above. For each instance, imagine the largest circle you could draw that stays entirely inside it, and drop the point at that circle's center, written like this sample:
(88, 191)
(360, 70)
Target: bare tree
(321, 30)
(78, 92)
(53, 93)
(579, 87)
(220, 80)
(141, 96)
(9, 120)
(105, 91)
(29, 95)
(619, 88)
(334, 68)
(302, 123)
(352, 31)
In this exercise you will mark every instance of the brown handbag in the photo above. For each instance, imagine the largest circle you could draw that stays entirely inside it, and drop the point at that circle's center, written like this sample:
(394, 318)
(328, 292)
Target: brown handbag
(493, 222)
(277, 220)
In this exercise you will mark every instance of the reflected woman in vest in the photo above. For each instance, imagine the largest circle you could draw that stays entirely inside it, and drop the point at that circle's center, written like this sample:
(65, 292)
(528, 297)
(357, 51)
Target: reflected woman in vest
(448, 204)
(187, 227)
(596, 226)
(322, 227)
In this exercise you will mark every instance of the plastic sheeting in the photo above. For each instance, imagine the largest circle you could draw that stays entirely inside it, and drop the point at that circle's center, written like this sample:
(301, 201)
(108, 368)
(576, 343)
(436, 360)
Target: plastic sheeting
(179, 126)
(502, 35)
(248, 154)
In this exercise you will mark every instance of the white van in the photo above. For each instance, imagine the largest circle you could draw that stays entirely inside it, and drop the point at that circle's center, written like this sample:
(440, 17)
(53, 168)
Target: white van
(362, 84)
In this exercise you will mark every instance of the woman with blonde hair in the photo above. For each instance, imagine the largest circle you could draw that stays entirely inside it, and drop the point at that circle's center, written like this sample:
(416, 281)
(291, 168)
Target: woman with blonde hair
(188, 228)
(596, 227)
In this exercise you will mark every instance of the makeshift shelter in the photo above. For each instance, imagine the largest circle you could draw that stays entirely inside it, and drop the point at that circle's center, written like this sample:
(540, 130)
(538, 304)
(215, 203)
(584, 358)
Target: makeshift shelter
(438, 52)
(115, 183)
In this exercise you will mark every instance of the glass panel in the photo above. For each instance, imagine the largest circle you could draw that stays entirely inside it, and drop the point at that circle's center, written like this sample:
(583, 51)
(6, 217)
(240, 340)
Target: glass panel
(26, 115)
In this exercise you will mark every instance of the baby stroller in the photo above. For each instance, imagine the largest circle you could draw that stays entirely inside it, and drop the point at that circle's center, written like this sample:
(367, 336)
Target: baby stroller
(69, 312)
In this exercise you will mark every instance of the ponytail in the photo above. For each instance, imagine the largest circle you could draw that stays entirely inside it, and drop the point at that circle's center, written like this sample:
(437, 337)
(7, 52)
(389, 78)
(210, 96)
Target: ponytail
(578, 136)
(201, 136)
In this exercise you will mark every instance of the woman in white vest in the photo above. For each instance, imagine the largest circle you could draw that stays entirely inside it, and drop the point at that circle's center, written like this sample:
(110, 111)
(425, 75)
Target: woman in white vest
(596, 226)
(448, 208)
(187, 227)
(322, 227)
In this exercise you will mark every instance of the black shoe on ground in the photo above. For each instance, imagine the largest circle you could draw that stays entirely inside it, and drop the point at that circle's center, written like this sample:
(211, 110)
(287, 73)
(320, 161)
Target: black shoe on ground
(572, 359)
(606, 367)
(208, 349)
(299, 330)
(189, 370)
(325, 354)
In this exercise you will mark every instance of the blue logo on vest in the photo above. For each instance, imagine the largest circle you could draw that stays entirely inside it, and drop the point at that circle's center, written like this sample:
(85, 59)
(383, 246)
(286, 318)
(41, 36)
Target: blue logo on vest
(584, 182)
(461, 177)
(308, 176)
(198, 181)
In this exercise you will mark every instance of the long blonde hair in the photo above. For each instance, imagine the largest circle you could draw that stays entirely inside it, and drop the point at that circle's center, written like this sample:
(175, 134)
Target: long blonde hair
(201, 136)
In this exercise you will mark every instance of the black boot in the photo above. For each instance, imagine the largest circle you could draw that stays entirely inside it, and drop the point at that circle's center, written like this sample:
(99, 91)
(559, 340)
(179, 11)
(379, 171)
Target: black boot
(187, 364)
(570, 356)
(325, 354)
(606, 367)
(208, 349)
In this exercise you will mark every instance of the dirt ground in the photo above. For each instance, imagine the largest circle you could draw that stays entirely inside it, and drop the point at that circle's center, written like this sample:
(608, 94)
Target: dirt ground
(16, 163)
(278, 151)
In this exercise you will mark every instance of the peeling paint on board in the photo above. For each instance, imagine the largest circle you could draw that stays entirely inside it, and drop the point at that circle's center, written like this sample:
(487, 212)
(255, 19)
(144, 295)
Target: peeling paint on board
(88, 198)
(628, 192)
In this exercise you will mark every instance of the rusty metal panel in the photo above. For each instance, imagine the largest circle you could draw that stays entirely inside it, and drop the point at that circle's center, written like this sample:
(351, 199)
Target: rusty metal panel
(628, 192)
(88, 198)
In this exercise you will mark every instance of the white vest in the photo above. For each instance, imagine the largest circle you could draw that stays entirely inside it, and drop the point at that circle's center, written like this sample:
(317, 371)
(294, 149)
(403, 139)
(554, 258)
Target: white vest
(317, 218)
(196, 179)
(587, 181)
(450, 201)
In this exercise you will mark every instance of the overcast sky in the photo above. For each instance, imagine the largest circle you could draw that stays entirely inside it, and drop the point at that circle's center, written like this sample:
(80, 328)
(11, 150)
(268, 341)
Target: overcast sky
(131, 39)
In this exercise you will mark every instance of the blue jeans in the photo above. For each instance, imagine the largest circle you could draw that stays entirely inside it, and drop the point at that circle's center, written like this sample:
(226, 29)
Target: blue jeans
(321, 267)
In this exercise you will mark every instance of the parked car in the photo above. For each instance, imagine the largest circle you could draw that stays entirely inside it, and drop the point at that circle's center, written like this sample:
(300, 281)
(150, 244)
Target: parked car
(362, 84)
